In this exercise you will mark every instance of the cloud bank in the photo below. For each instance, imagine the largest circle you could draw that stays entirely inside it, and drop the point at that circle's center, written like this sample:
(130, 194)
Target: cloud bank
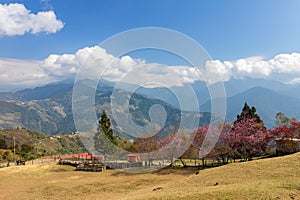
(98, 62)
(20, 74)
(257, 67)
(15, 19)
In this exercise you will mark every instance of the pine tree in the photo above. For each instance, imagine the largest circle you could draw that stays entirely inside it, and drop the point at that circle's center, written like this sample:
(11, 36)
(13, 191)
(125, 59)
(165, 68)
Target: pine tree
(104, 140)
(247, 136)
(248, 113)
(104, 125)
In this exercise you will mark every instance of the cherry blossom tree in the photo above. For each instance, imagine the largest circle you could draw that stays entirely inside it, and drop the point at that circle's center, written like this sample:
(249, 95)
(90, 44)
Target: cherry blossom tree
(221, 150)
(177, 146)
(287, 137)
(247, 138)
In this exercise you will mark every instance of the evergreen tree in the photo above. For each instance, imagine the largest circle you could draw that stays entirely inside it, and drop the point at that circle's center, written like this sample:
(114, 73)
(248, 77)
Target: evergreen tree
(104, 125)
(248, 113)
(247, 137)
(105, 141)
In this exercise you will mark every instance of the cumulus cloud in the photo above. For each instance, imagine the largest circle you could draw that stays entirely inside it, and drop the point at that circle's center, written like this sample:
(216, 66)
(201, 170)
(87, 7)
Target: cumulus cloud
(95, 62)
(257, 67)
(15, 19)
(18, 74)
(67, 65)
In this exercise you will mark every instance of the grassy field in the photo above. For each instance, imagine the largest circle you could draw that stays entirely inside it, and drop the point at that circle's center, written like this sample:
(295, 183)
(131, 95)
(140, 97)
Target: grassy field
(275, 178)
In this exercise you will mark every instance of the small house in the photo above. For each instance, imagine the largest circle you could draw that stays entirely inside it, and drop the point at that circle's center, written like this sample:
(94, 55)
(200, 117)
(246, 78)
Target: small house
(133, 158)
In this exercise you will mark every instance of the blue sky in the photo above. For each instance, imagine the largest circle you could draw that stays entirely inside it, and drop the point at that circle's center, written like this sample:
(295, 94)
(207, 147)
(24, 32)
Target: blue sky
(228, 30)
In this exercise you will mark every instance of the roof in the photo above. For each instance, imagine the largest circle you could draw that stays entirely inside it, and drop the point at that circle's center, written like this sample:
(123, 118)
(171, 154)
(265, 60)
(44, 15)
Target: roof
(291, 139)
(131, 155)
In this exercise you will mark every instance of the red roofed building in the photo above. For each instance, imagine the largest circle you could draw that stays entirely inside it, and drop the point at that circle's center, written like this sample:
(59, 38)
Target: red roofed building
(133, 158)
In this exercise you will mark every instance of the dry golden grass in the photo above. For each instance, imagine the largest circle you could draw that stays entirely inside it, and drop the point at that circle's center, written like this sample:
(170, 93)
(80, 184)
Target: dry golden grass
(276, 178)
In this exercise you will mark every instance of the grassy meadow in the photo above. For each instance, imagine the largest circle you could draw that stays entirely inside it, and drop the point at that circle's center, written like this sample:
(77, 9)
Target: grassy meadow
(273, 178)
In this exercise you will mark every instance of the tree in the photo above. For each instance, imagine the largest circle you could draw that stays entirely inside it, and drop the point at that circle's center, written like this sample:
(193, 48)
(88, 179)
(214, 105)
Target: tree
(105, 124)
(146, 145)
(3, 144)
(198, 141)
(248, 136)
(174, 146)
(104, 140)
(248, 113)
(220, 152)
(27, 148)
(179, 143)
(287, 137)
(247, 139)
(26, 151)
(166, 144)
(127, 145)
(191, 153)
(281, 119)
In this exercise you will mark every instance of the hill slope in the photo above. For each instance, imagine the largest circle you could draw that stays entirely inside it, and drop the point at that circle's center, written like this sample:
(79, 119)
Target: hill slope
(43, 144)
(275, 178)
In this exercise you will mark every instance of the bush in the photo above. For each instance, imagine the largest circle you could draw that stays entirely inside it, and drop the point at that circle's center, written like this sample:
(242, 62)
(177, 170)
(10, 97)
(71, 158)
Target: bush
(3, 144)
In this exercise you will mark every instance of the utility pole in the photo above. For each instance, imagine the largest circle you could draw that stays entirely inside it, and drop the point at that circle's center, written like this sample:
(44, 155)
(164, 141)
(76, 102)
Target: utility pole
(15, 150)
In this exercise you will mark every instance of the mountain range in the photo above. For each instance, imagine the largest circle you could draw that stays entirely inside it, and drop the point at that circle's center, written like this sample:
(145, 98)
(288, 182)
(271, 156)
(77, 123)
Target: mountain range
(267, 103)
(48, 108)
(268, 96)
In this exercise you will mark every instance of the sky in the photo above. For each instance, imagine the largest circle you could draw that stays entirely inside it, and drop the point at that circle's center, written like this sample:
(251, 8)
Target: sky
(43, 41)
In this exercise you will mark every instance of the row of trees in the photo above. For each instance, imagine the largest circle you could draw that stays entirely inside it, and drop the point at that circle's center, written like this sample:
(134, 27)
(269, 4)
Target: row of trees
(246, 138)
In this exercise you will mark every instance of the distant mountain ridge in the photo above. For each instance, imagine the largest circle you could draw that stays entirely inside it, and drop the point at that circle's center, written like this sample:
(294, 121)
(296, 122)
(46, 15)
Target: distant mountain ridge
(48, 109)
(267, 102)
(268, 96)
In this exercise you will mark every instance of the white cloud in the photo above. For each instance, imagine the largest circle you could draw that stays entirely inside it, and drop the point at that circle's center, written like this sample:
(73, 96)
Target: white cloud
(16, 74)
(97, 61)
(294, 81)
(67, 65)
(216, 68)
(60, 65)
(286, 63)
(15, 19)
(257, 67)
